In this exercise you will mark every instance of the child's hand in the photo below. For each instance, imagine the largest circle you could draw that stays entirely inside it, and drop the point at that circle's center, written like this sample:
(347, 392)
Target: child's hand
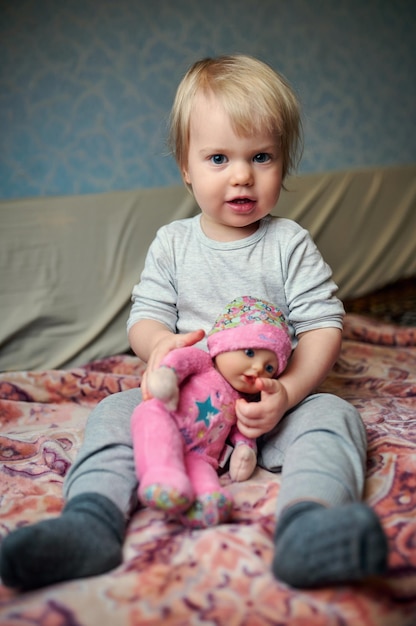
(163, 347)
(256, 418)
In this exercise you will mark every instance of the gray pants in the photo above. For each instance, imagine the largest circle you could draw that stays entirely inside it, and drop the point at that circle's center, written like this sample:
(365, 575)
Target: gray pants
(319, 447)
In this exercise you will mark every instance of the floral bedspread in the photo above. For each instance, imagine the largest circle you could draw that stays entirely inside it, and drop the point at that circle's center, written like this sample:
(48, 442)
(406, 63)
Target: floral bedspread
(220, 576)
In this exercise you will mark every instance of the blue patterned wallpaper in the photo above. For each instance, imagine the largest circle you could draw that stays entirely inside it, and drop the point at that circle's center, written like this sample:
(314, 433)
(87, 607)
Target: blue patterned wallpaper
(86, 85)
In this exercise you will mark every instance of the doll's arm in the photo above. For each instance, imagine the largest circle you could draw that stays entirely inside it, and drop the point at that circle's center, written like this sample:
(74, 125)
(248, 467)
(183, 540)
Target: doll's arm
(164, 382)
(243, 458)
(163, 385)
(188, 361)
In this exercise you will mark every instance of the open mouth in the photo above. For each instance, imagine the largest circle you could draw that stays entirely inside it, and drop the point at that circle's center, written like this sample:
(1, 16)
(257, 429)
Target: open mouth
(242, 205)
(241, 200)
(249, 380)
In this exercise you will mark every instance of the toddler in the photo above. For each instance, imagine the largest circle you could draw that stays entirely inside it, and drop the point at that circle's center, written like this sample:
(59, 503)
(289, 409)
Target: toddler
(235, 133)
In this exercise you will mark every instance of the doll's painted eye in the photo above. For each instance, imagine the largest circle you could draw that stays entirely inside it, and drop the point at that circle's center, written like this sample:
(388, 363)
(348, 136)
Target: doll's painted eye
(249, 352)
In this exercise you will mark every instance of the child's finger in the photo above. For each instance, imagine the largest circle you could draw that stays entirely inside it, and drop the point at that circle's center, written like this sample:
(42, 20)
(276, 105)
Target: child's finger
(268, 385)
(189, 339)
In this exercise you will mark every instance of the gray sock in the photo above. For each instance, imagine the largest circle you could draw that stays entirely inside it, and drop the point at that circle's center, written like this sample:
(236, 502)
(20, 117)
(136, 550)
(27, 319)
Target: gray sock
(317, 546)
(86, 540)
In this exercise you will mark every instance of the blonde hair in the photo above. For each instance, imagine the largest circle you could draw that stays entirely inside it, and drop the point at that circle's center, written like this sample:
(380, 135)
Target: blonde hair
(255, 97)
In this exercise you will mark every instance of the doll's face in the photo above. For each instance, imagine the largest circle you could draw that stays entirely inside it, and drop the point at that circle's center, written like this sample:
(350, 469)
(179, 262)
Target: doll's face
(241, 368)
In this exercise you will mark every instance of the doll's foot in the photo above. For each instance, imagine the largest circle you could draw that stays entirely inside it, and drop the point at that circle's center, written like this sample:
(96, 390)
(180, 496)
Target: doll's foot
(208, 510)
(164, 499)
(243, 462)
(168, 490)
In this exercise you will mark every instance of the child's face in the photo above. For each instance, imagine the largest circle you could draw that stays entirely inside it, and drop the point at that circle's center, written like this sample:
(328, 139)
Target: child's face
(236, 180)
(241, 368)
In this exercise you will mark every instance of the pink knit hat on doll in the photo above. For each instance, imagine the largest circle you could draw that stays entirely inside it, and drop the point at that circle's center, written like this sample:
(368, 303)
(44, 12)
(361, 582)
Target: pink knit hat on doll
(251, 323)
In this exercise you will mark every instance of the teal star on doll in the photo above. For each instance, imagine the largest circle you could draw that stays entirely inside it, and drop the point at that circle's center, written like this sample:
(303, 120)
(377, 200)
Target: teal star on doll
(205, 411)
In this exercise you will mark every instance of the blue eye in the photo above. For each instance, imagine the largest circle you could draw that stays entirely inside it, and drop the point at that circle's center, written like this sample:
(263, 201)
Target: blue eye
(249, 352)
(218, 159)
(269, 369)
(262, 157)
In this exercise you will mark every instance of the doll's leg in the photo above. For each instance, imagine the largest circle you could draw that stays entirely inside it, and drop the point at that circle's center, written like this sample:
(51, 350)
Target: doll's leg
(159, 457)
(325, 534)
(101, 490)
(213, 503)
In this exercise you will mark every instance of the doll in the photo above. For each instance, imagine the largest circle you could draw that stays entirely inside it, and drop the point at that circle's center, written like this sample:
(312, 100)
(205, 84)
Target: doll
(180, 433)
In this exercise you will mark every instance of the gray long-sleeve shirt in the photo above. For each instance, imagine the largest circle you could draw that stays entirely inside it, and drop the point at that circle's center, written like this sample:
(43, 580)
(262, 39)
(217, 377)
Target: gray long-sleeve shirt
(188, 278)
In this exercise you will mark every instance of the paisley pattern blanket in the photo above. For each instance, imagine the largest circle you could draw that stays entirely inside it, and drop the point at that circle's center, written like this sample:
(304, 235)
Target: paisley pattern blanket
(220, 576)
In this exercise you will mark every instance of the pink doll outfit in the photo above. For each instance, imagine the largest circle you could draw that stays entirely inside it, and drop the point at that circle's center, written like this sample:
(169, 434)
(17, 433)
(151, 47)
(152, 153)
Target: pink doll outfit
(177, 451)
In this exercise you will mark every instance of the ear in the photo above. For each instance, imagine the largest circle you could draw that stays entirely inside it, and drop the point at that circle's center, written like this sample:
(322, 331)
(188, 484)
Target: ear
(185, 176)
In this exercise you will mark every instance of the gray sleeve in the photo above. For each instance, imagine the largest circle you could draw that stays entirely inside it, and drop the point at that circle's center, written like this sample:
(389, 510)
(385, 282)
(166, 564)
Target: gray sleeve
(309, 288)
(155, 296)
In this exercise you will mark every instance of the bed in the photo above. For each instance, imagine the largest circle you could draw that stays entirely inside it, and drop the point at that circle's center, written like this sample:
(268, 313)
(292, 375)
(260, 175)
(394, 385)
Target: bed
(63, 348)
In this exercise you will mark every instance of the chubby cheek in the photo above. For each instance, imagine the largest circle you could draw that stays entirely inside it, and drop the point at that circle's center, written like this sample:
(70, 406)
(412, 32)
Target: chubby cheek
(201, 190)
(206, 197)
(190, 179)
(274, 193)
(272, 185)
(277, 194)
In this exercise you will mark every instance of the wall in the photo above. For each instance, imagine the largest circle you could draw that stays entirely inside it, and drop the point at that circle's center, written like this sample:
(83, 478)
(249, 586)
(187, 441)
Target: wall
(86, 85)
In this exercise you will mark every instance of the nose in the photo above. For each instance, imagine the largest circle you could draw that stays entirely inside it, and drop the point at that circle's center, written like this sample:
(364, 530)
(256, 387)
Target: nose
(256, 368)
(241, 174)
